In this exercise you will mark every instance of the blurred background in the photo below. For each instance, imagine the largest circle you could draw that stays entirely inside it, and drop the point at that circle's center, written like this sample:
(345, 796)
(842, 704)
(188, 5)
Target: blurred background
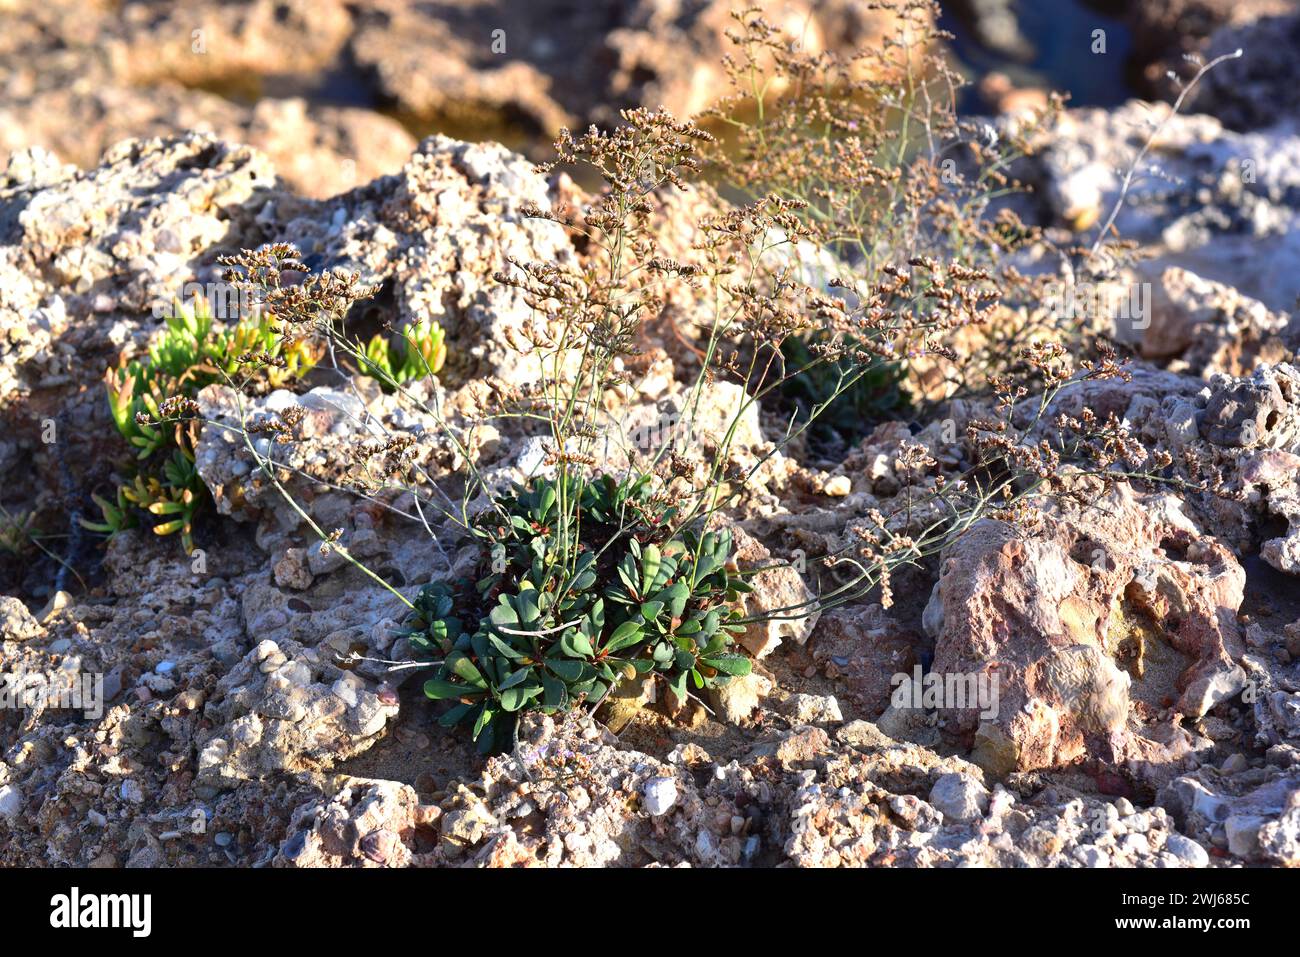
(339, 92)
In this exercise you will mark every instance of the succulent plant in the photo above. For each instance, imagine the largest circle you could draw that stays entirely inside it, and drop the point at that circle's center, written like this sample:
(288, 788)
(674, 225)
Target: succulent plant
(135, 394)
(416, 351)
(577, 598)
(175, 498)
(118, 514)
(281, 361)
(17, 532)
(190, 353)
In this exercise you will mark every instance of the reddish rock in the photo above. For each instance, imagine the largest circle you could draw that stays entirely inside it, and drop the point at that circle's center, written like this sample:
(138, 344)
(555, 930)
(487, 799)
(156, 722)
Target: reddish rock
(1124, 605)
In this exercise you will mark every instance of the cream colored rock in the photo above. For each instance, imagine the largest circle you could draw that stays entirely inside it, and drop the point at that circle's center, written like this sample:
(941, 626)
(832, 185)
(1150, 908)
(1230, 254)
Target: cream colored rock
(778, 591)
(736, 701)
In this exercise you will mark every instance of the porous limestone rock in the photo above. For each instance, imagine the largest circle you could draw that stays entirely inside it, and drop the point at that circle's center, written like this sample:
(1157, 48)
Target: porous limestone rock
(573, 65)
(959, 797)
(1211, 326)
(364, 823)
(285, 708)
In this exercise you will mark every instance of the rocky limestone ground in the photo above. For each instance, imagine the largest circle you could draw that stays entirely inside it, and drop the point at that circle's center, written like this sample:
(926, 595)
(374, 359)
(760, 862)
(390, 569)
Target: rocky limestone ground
(1147, 647)
(235, 732)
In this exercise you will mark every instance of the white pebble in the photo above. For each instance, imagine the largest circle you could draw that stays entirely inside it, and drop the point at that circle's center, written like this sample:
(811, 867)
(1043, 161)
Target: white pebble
(131, 791)
(837, 487)
(11, 801)
(660, 795)
(1187, 851)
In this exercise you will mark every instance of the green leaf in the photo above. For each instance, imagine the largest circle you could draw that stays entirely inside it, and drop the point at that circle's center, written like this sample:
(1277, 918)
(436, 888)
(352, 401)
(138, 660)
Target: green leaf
(730, 664)
(547, 501)
(627, 573)
(438, 689)
(714, 646)
(597, 615)
(566, 668)
(455, 715)
(504, 648)
(676, 597)
(504, 613)
(491, 737)
(553, 693)
(484, 717)
(625, 636)
(512, 699)
(458, 663)
(649, 566)
(514, 678)
(713, 555)
(526, 605)
(678, 685)
(580, 643)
